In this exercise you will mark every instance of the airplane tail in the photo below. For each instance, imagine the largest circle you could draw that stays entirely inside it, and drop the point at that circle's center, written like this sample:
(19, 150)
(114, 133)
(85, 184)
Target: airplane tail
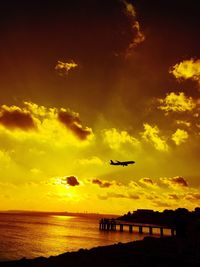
(111, 162)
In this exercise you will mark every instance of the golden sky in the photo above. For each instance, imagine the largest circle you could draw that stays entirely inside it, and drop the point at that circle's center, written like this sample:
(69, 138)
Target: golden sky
(83, 82)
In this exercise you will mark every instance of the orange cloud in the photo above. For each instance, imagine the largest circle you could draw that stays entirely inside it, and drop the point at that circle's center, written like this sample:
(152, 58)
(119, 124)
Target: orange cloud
(151, 134)
(138, 35)
(173, 196)
(103, 184)
(176, 103)
(180, 136)
(161, 203)
(130, 9)
(63, 68)
(15, 117)
(175, 181)
(184, 123)
(116, 139)
(73, 122)
(118, 195)
(138, 38)
(147, 182)
(193, 196)
(187, 69)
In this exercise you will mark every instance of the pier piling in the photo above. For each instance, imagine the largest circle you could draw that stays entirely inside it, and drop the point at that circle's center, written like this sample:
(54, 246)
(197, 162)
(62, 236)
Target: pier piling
(111, 225)
(150, 230)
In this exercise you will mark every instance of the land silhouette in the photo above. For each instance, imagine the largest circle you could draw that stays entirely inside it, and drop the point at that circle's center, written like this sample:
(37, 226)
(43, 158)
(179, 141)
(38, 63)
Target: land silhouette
(185, 222)
(180, 250)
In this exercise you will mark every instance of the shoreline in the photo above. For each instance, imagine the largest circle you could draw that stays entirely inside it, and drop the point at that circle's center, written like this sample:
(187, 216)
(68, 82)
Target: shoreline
(151, 251)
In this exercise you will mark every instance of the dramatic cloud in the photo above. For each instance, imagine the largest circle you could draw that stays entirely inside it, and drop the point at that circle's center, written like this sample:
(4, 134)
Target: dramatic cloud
(151, 134)
(14, 117)
(72, 181)
(175, 181)
(115, 139)
(45, 121)
(187, 69)
(72, 54)
(176, 103)
(179, 137)
(102, 184)
(72, 121)
(63, 68)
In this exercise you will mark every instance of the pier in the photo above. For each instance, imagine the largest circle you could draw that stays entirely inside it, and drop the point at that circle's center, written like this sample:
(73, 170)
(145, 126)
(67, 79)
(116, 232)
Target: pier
(114, 225)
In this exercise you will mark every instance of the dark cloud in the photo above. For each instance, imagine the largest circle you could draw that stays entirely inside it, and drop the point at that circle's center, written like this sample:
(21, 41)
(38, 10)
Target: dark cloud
(80, 132)
(175, 181)
(73, 122)
(132, 196)
(151, 196)
(111, 195)
(13, 117)
(137, 39)
(179, 180)
(118, 195)
(68, 118)
(72, 181)
(103, 184)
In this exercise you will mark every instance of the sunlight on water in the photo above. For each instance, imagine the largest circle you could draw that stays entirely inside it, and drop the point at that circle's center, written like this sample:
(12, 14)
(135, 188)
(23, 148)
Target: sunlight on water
(44, 235)
(63, 217)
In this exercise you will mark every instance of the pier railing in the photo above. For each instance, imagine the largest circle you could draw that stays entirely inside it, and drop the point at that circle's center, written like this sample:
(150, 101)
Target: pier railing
(114, 225)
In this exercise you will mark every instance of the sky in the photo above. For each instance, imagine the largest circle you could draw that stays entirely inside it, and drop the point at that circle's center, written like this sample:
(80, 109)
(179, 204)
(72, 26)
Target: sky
(84, 82)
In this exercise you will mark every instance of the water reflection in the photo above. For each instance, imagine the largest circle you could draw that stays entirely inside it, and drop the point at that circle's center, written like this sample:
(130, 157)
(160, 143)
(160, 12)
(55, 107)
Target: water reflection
(33, 236)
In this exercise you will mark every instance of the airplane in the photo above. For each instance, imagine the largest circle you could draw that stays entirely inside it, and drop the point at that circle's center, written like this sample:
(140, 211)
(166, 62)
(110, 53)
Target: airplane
(122, 163)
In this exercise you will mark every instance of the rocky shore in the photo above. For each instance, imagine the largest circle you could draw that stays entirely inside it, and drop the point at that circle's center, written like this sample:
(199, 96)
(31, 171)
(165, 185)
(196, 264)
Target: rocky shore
(156, 252)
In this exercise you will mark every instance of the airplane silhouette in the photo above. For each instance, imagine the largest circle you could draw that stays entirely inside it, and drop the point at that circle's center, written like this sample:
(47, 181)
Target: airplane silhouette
(122, 163)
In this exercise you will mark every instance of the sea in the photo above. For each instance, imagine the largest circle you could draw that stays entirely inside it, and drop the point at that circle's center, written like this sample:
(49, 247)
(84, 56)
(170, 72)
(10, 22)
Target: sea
(34, 235)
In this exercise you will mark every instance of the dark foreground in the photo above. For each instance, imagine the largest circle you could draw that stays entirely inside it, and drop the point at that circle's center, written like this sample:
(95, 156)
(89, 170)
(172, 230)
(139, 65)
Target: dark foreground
(162, 252)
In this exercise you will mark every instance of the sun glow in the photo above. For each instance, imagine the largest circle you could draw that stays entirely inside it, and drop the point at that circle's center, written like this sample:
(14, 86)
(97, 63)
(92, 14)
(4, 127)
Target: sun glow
(81, 87)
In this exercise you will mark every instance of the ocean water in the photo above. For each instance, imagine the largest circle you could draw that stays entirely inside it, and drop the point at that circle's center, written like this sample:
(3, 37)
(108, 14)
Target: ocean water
(33, 235)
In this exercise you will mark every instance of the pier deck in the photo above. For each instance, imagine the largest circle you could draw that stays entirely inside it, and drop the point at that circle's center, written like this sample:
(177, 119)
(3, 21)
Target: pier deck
(113, 224)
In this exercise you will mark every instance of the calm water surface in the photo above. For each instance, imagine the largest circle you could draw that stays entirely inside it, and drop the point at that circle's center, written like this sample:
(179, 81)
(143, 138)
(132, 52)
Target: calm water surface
(45, 235)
